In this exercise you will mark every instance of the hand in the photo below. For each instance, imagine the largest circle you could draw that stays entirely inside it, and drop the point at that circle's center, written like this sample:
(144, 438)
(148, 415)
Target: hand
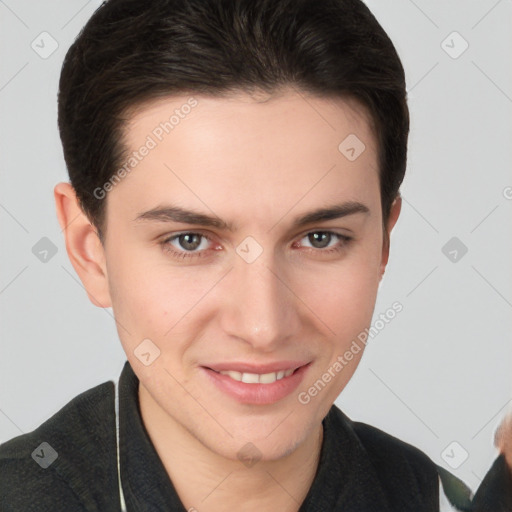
(503, 438)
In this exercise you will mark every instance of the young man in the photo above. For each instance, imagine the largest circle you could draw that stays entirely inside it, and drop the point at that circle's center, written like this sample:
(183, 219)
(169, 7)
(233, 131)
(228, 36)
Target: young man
(235, 170)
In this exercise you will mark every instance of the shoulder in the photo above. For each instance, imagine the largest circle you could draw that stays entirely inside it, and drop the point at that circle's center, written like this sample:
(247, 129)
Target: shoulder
(390, 453)
(407, 476)
(56, 466)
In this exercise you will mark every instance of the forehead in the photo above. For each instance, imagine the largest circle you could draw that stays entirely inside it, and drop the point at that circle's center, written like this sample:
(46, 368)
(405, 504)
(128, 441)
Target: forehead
(250, 150)
(297, 112)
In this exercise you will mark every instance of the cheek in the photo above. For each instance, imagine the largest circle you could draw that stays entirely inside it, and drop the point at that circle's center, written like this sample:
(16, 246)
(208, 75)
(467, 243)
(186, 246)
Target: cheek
(139, 297)
(344, 300)
(151, 298)
(344, 295)
(346, 308)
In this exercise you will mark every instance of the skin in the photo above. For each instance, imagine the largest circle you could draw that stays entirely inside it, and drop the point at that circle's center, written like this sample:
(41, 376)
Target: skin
(258, 162)
(503, 439)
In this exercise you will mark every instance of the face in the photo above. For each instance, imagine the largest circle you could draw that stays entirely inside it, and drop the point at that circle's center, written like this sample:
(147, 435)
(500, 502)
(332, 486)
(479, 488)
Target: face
(245, 241)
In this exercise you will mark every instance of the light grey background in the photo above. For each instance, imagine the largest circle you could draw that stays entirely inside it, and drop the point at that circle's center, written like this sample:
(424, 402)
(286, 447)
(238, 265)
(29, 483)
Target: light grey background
(440, 372)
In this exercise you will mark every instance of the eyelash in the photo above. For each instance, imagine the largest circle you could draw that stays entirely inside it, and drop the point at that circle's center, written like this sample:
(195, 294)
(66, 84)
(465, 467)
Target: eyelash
(344, 241)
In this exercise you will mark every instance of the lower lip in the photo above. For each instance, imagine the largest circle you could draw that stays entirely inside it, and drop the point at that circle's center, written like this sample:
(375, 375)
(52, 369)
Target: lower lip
(259, 394)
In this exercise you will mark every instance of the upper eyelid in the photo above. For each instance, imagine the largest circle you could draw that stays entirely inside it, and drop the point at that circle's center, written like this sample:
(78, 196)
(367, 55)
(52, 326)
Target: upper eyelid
(189, 232)
(321, 230)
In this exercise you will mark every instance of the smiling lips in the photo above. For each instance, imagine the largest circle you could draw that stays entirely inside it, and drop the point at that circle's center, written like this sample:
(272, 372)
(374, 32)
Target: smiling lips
(262, 384)
(256, 378)
(257, 374)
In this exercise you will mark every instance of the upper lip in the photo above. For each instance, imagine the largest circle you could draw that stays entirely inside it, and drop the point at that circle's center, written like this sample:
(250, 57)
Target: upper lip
(242, 367)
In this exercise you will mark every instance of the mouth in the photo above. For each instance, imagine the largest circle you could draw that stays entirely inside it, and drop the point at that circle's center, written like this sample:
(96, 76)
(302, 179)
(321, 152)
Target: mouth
(262, 387)
(257, 378)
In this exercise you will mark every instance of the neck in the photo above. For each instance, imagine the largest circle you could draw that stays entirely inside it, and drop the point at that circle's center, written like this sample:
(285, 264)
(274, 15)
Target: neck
(208, 482)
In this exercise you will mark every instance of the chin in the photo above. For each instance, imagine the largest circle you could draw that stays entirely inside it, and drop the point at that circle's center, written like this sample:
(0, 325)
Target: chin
(250, 453)
(262, 444)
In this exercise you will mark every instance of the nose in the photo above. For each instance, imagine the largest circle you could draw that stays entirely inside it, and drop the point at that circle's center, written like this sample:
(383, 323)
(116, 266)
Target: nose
(259, 307)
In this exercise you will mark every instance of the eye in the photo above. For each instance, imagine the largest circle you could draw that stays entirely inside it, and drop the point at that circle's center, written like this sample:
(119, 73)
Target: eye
(190, 241)
(321, 240)
(192, 244)
(186, 244)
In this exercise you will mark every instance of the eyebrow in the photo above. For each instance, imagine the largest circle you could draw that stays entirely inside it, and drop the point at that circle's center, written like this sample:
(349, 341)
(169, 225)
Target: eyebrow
(170, 213)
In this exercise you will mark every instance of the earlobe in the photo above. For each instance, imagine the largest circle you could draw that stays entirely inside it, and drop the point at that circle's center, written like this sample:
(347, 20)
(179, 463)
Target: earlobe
(394, 213)
(85, 250)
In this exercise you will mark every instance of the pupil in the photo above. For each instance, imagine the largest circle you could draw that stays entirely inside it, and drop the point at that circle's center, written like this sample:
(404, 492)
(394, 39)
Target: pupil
(190, 241)
(320, 239)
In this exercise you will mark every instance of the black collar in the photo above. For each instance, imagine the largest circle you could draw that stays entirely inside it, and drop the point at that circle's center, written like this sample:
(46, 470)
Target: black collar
(146, 485)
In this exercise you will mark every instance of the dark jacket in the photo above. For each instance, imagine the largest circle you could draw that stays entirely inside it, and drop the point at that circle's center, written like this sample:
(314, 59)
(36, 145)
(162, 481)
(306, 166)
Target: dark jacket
(495, 491)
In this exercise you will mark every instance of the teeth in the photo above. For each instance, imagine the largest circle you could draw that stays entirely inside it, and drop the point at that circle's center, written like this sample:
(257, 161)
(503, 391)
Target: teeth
(250, 378)
(256, 378)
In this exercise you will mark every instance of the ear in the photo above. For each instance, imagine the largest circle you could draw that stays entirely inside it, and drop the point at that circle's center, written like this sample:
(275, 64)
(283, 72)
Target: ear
(394, 213)
(83, 245)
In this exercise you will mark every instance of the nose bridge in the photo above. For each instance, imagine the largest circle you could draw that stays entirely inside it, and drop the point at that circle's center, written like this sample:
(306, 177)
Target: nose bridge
(261, 308)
